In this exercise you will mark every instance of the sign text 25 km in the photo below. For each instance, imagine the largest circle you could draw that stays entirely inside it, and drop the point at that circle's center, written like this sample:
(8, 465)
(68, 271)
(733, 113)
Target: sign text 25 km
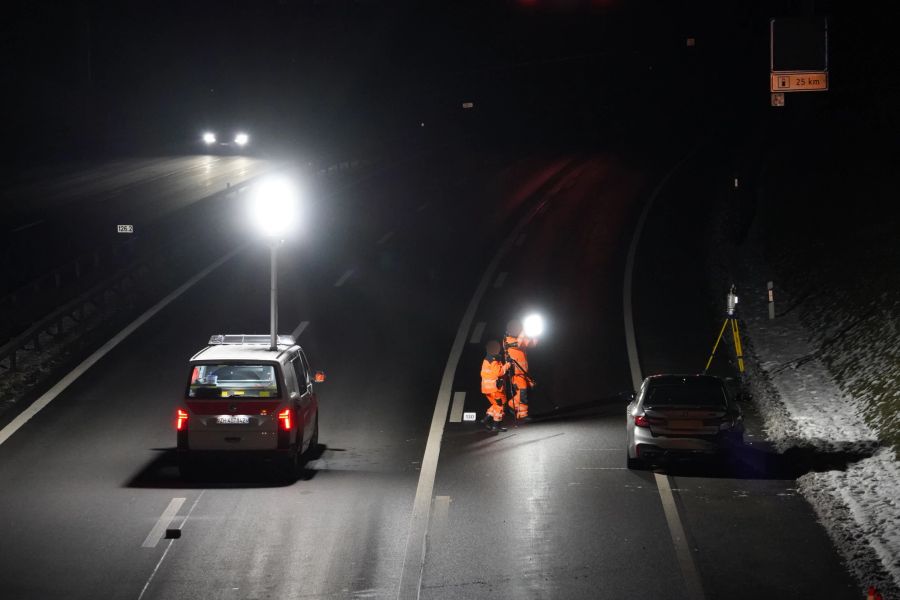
(799, 82)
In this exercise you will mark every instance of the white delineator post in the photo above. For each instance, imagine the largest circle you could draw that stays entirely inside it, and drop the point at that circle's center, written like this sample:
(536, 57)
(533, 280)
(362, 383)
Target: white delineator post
(771, 295)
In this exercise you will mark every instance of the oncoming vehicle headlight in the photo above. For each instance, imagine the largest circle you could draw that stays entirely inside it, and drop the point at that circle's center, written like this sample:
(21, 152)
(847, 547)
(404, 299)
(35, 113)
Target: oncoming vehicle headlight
(241, 139)
(209, 137)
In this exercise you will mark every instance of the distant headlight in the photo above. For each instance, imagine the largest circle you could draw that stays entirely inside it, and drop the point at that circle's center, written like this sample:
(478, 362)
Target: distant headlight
(209, 137)
(241, 139)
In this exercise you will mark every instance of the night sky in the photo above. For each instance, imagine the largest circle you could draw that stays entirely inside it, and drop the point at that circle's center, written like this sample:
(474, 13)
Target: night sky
(322, 73)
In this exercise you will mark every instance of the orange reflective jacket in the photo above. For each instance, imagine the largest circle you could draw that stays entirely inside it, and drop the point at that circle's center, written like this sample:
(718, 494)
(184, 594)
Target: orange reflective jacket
(518, 354)
(491, 371)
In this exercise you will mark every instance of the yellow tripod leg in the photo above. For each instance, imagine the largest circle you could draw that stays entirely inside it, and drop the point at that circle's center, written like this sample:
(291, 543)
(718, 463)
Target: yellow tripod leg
(738, 349)
(715, 346)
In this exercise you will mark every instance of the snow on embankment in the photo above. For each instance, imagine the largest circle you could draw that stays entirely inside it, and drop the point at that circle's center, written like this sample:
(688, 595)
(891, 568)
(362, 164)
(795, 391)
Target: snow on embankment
(803, 406)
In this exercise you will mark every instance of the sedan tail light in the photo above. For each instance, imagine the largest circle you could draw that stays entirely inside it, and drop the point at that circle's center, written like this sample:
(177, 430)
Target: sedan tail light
(181, 419)
(284, 417)
(641, 421)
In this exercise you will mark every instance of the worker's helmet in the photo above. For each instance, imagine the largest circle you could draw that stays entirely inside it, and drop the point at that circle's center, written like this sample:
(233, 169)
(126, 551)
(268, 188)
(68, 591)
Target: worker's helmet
(514, 328)
(492, 347)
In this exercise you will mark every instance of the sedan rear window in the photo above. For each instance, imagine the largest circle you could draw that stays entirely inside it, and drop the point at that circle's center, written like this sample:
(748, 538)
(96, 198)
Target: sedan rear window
(685, 395)
(233, 381)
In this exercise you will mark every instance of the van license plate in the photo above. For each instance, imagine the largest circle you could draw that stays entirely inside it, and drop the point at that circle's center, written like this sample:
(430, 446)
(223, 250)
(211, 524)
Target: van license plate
(233, 420)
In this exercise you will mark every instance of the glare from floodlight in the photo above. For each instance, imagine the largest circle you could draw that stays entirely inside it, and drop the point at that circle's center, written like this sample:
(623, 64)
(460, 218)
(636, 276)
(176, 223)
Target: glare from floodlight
(533, 325)
(273, 207)
(241, 139)
(209, 137)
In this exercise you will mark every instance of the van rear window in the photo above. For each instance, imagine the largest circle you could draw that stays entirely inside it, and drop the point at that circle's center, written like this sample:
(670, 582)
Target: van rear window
(233, 381)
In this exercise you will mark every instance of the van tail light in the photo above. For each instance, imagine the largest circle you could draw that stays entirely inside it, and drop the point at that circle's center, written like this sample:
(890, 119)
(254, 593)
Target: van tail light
(284, 417)
(641, 421)
(181, 419)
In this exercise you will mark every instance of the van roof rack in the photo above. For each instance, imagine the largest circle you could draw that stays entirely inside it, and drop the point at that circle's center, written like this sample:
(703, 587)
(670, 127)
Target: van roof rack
(254, 339)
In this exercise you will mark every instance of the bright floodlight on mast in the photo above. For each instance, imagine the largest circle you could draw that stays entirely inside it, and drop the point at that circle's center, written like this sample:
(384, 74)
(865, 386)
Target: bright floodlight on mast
(533, 325)
(273, 212)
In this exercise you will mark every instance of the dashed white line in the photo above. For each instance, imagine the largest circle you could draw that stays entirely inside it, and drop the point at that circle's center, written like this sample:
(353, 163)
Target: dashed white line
(162, 523)
(440, 520)
(66, 381)
(169, 547)
(459, 402)
(385, 237)
(423, 206)
(343, 278)
(477, 332)
(296, 333)
(500, 279)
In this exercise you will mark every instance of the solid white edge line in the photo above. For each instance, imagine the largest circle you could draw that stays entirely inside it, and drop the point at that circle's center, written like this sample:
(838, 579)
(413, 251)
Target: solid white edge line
(682, 551)
(299, 329)
(500, 279)
(343, 278)
(78, 371)
(385, 237)
(169, 547)
(686, 564)
(477, 332)
(162, 523)
(414, 555)
(459, 402)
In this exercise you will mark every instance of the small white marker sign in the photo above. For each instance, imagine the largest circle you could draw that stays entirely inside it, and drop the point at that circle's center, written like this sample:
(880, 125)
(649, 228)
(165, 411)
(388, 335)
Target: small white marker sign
(125, 228)
(468, 416)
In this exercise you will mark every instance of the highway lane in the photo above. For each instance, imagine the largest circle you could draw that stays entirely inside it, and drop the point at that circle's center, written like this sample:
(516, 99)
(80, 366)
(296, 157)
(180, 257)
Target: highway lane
(88, 478)
(54, 215)
(544, 511)
(747, 519)
(548, 509)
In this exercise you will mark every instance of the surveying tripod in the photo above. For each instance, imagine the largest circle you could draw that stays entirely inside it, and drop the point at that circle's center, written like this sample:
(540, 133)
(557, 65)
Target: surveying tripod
(730, 307)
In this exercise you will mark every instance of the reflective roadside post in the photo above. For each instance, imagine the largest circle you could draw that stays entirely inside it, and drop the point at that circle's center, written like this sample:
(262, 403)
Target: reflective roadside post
(273, 211)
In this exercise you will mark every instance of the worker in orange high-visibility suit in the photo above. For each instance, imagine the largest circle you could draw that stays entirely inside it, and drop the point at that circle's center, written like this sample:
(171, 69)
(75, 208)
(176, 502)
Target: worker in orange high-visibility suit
(515, 343)
(493, 369)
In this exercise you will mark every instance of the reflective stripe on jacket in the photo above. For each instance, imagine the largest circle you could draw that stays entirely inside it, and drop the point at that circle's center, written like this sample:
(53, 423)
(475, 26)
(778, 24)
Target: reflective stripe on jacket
(491, 371)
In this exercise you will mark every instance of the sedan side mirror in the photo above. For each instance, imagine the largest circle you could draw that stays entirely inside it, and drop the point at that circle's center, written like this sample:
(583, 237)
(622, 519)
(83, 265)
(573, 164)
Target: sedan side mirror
(319, 376)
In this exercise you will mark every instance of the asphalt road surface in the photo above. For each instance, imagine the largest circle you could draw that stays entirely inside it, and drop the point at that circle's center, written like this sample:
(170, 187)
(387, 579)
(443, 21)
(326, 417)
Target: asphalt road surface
(53, 214)
(381, 277)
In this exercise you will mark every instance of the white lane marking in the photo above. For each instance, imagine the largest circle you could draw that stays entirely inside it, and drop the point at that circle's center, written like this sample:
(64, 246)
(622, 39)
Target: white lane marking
(163, 523)
(459, 402)
(500, 279)
(343, 278)
(385, 237)
(630, 340)
(423, 206)
(477, 332)
(296, 333)
(521, 239)
(686, 564)
(600, 468)
(440, 520)
(87, 363)
(26, 226)
(682, 550)
(169, 547)
(414, 555)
